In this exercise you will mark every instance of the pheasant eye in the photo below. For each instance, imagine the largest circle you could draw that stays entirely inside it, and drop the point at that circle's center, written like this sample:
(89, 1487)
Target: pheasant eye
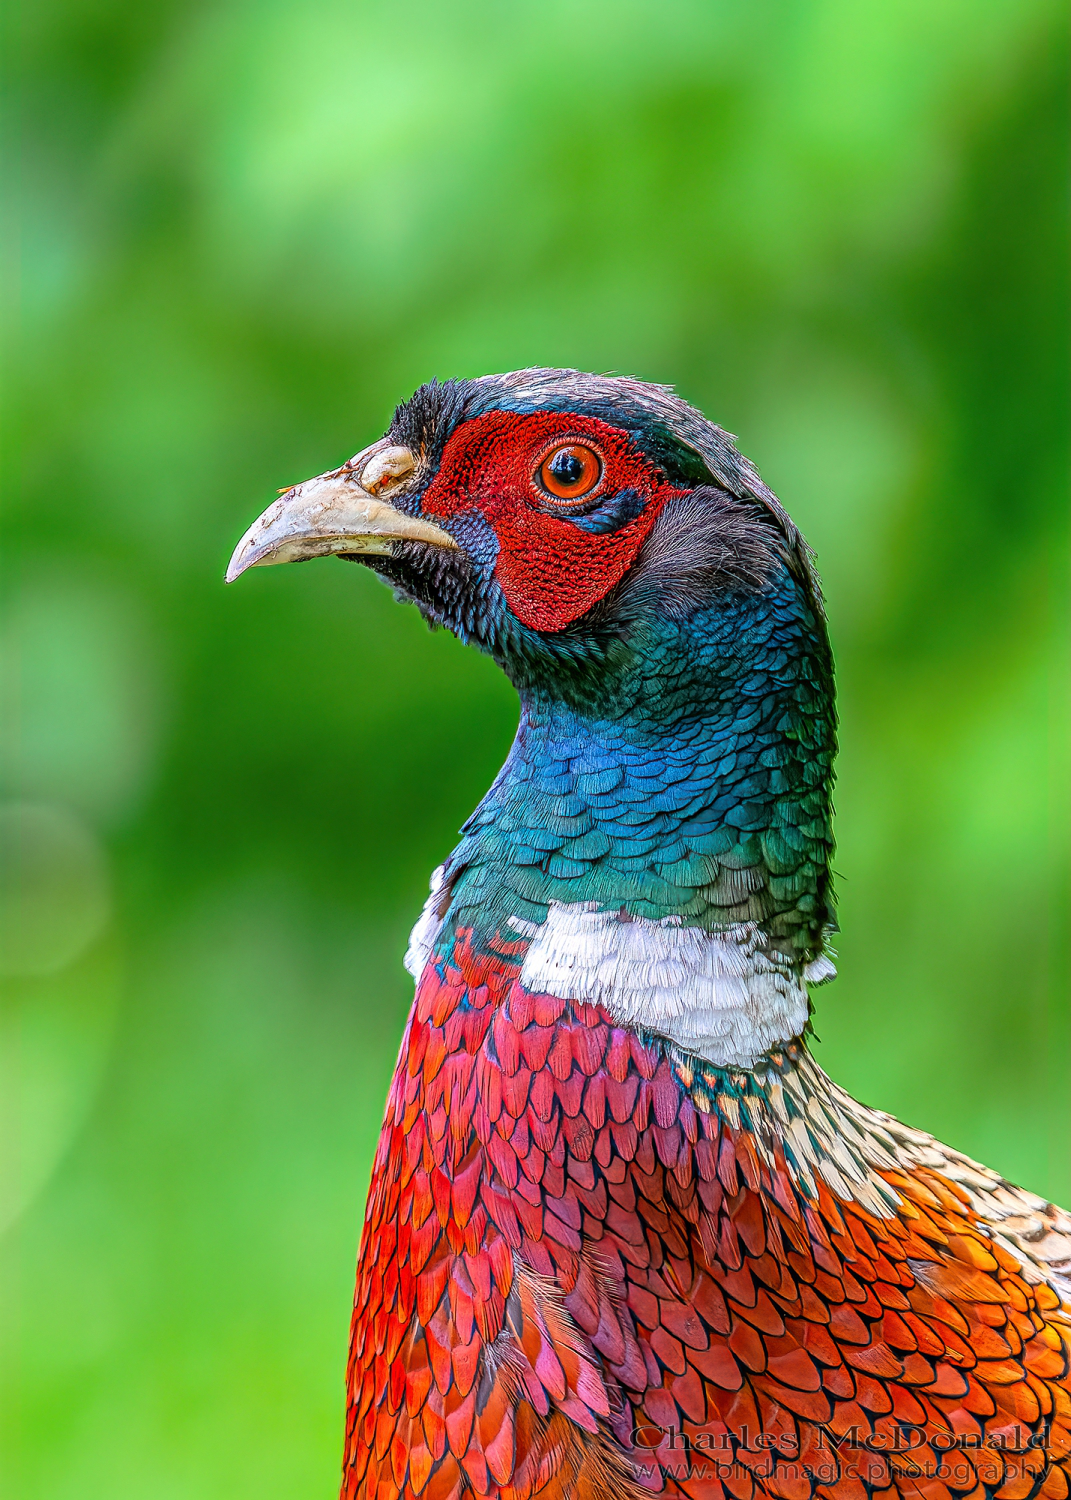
(570, 472)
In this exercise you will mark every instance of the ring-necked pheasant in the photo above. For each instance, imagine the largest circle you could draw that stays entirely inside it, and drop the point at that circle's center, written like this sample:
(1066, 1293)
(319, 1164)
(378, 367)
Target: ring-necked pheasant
(624, 1236)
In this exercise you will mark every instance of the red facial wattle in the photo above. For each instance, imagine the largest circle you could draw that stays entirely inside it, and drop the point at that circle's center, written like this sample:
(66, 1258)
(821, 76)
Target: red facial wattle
(550, 570)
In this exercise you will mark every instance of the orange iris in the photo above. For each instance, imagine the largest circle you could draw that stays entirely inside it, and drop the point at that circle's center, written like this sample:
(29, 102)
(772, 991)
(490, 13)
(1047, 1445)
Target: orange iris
(570, 472)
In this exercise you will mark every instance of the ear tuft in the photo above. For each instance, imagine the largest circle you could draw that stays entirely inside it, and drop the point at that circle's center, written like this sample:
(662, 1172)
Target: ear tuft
(703, 542)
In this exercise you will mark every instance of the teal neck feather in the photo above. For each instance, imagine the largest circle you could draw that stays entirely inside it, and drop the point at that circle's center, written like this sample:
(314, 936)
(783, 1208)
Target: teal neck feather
(689, 778)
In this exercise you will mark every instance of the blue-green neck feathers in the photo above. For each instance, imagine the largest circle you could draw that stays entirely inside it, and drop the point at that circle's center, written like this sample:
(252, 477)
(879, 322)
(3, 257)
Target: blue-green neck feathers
(688, 778)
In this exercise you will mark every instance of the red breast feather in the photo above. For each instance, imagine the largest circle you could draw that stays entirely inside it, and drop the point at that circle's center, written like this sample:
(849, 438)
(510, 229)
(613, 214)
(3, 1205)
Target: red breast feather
(574, 1282)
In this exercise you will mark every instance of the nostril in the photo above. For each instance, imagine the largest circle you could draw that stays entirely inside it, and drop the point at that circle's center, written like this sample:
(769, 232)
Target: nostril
(386, 469)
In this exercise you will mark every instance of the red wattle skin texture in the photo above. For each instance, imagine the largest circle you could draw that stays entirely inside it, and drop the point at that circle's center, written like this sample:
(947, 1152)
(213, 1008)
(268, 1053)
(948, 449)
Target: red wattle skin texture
(550, 570)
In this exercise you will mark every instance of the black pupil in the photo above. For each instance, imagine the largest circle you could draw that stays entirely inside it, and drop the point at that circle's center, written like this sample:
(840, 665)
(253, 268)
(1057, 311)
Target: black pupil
(567, 468)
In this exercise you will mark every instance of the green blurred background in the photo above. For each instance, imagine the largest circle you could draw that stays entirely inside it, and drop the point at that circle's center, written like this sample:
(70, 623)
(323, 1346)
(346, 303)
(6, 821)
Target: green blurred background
(247, 230)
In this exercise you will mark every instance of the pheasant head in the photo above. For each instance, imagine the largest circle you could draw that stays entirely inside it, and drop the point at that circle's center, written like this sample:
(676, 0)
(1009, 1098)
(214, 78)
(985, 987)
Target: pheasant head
(667, 801)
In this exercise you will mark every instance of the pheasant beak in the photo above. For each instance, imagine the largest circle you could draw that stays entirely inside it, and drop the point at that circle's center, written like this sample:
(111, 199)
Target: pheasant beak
(337, 512)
